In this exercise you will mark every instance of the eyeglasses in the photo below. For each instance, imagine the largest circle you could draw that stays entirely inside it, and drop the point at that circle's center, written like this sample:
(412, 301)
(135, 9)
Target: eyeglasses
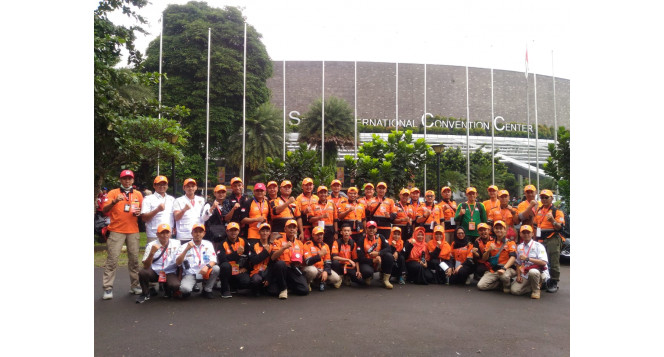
(544, 197)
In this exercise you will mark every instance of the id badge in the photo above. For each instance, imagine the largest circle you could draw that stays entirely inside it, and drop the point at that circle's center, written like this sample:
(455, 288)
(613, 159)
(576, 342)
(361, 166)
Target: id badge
(235, 268)
(127, 207)
(431, 225)
(538, 234)
(135, 206)
(162, 276)
(471, 226)
(321, 224)
(452, 221)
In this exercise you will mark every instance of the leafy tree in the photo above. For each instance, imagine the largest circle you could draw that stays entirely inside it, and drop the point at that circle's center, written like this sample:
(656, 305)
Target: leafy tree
(394, 161)
(299, 164)
(264, 138)
(185, 58)
(339, 127)
(557, 165)
(126, 132)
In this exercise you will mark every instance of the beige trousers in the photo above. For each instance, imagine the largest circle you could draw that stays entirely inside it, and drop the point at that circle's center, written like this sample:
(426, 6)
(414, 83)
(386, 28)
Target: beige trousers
(532, 283)
(491, 281)
(312, 273)
(114, 248)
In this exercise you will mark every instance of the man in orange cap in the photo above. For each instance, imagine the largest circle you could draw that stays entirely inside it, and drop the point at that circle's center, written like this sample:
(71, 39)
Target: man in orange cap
(285, 208)
(382, 210)
(374, 251)
(324, 215)
(199, 261)
(492, 202)
(528, 208)
(404, 214)
(272, 190)
(157, 208)
(187, 210)
(447, 208)
(531, 262)
(159, 263)
(235, 249)
(304, 202)
(122, 206)
(470, 214)
(215, 223)
(368, 194)
(344, 257)
(428, 215)
(259, 259)
(353, 214)
(549, 223)
(336, 196)
(318, 262)
(415, 198)
(501, 255)
(480, 246)
(285, 271)
(505, 213)
(233, 204)
(253, 213)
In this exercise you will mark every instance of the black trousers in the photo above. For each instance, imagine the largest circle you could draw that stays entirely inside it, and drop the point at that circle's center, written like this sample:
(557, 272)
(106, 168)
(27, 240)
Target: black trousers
(386, 265)
(284, 277)
(147, 276)
(419, 274)
(338, 267)
(461, 276)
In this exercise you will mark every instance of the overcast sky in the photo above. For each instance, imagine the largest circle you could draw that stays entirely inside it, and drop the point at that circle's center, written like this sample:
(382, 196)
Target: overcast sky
(487, 34)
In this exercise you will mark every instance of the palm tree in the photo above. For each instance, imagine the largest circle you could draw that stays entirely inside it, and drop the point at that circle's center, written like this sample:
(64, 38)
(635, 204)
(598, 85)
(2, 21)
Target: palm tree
(339, 128)
(263, 138)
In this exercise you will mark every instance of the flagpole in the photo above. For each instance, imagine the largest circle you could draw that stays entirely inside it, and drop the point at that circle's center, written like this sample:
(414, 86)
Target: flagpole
(397, 98)
(207, 120)
(493, 148)
(355, 88)
(536, 131)
(244, 102)
(555, 117)
(284, 150)
(467, 131)
(528, 114)
(425, 123)
(161, 37)
(322, 127)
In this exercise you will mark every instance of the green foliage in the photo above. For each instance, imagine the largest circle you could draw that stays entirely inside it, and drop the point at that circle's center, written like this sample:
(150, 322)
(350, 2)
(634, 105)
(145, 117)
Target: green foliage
(558, 167)
(394, 161)
(299, 164)
(264, 138)
(125, 129)
(339, 127)
(185, 58)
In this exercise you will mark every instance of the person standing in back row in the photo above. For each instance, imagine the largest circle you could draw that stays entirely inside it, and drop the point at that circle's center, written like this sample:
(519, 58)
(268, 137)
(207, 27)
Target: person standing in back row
(157, 208)
(187, 210)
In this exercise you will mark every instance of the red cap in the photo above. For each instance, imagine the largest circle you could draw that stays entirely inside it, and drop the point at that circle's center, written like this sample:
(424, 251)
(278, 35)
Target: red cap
(259, 186)
(126, 173)
(296, 257)
(372, 224)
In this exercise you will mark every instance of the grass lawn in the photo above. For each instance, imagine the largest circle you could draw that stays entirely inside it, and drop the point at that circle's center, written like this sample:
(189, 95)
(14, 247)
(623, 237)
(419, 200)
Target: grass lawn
(100, 255)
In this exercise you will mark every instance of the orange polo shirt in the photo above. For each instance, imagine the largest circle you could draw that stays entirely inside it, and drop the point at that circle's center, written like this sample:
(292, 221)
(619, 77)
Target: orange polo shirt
(298, 246)
(121, 221)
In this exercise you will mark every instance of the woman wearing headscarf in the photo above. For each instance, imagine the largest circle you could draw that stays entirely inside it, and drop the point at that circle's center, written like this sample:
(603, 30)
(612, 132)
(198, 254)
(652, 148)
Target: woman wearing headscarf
(462, 257)
(417, 256)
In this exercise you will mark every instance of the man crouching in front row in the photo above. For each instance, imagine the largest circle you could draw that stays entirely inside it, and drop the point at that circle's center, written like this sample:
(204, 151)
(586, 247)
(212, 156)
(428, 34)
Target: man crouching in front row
(159, 264)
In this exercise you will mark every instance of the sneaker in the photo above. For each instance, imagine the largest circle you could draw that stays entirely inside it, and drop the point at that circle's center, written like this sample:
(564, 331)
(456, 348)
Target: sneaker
(153, 292)
(367, 281)
(196, 288)
(136, 290)
(283, 294)
(337, 285)
(108, 294)
(142, 298)
(207, 294)
(402, 281)
(469, 280)
(535, 295)
(226, 295)
(551, 286)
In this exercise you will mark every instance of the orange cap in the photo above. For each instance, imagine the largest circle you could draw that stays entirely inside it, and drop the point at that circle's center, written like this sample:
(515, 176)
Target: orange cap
(321, 188)
(232, 225)
(445, 188)
(159, 179)
(289, 222)
(483, 225)
(264, 225)
(430, 192)
(335, 182)
(306, 181)
(503, 193)
(235, 179)
(395, 228)
(352, 189)
(471, 189)
(188, 181)
(272, 183)
(547, 193)
(220, 188)
(317, 230)
(414, 189)
(163, 227)
(198, 225)
(286, 183)
(526, 227)
(368, 184)
(492, 187)
(499, 222)
(439, 228)
(381, 184)
(404, 190)
(529, 188)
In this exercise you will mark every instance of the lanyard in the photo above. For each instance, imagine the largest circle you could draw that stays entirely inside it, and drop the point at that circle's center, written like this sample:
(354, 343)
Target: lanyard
(472, 212)
(198, 253)
(163, 255)
(542, 215)
(125, 196)
(260, 205)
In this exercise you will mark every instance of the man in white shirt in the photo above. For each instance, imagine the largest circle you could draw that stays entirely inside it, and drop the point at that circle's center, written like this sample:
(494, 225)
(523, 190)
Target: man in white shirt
(531, 261)
(187, 211)
(157, 208)
(199, 261)
(159, 263)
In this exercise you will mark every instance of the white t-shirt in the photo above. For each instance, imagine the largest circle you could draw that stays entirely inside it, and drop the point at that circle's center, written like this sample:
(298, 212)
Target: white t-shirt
(150, 203)
(190, 217)
(198, 256)
(167, 259)
(537, 251)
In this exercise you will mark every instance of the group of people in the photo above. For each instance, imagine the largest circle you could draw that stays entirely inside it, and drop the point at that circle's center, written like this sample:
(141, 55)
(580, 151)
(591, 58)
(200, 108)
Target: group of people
(274, 243)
